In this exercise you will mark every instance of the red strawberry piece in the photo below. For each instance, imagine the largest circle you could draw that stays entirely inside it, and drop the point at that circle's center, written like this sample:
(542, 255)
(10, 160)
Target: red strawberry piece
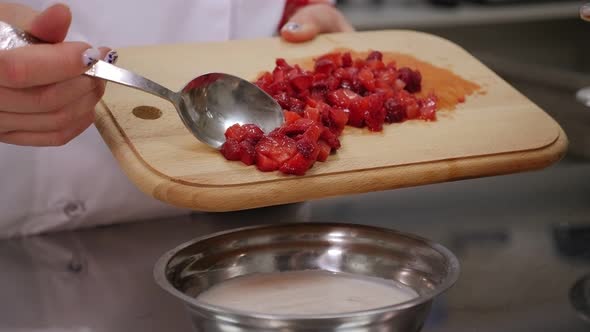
(265, 163)
(279, 149)
(375, 55)
(410, 104)
(359, 63)
(334, 57)
(323, 150)
(301, 81)
(248, 152)
(231, 150)
(296, 128)
(308, 148)
(282, 63)
(264, 80)
(341, 74)
(291, 116)
(428, 108)
(375, 65)
(412, 78)
(375, 118)
(312, 113)
(346, 60)
(297, 165)
(339, 118)
(235, 132)
(357, 109)
(278, 74)
(367, 79)
(330, 138)
(253, 132)
(374, 113)
(296, 105)
(394, 111)
(313, 132)
(324, 66)
(283, 99)
(341, 97)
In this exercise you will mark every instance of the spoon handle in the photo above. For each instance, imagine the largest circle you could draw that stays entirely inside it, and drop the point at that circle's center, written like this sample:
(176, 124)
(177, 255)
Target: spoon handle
(112, 73)
(12, 37)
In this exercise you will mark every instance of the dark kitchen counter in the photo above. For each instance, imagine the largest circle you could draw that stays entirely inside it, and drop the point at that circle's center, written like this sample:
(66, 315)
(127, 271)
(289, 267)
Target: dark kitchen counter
(515, 236)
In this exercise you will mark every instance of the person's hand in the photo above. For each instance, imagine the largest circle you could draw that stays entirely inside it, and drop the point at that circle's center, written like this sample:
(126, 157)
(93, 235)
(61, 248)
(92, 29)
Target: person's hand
(318, 17)
(44, 98)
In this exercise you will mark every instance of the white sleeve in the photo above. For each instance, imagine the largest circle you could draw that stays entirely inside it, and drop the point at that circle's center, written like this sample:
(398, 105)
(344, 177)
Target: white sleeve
(255, 18)
(73, 186)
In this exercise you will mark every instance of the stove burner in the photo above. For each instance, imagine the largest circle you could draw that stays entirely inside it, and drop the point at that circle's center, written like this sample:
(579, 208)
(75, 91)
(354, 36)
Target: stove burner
(580, 297)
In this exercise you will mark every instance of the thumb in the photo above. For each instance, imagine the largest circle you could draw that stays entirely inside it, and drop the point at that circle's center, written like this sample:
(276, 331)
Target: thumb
(50, 26)
(312, 20)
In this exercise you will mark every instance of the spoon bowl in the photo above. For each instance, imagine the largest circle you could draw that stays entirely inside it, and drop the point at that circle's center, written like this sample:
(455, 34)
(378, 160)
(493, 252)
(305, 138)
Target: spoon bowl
(215, 101)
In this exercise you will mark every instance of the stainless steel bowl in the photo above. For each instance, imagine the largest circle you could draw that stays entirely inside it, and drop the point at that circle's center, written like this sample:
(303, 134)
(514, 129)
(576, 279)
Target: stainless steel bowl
(194, 267)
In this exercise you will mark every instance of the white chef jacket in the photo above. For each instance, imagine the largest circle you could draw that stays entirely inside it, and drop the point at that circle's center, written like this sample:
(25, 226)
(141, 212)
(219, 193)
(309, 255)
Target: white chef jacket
(80, 184)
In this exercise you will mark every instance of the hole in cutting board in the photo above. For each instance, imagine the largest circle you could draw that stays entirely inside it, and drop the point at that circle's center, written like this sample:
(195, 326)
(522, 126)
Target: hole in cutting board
(147, 112)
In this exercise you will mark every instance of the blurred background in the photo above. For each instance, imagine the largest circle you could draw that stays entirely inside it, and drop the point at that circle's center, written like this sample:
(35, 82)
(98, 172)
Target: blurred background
(539, 46)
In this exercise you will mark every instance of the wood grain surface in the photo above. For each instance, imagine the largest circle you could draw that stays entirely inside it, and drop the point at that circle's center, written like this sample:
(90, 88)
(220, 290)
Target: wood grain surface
(498, 132)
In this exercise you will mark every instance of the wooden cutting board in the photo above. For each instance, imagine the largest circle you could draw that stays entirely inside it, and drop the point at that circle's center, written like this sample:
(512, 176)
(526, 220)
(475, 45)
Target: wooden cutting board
(497, 132)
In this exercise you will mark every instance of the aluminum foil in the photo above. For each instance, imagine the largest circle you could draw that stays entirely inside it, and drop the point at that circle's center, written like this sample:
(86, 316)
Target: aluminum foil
(12, 37)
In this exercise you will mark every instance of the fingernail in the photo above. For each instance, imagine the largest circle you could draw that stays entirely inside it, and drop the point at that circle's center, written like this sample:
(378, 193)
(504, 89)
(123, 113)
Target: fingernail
(90, 56)
(111, 57)
(292, 26)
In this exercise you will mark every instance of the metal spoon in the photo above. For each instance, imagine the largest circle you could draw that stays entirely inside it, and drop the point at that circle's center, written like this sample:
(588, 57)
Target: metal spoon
(207, 105)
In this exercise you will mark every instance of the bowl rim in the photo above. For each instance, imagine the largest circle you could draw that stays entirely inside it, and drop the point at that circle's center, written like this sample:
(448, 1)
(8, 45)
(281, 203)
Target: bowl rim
(159, 273)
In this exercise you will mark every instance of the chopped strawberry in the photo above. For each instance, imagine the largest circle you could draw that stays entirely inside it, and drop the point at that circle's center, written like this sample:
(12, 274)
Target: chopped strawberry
(231, 149)
(412, 78)
(266, 164)
(301, 82)
(394, 111)
(312, 113)
(248, 151)
(346, 60)
(265, 79)
(323, 150)
(428, 108)
(308, 148)
(234, 132)
(334, 57)
(239, 133)
(319, 103)
(330, 138)
(296, 105)
(356, 115)
(253, 132)
(375, 118)
(279, 149)
(291, 116)
(282, 63)
(366, 78)
(375, 65)
(297, 127)
(297, 165)
(341, 97)
(375, 55)
(339, 118)
(325, 66)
